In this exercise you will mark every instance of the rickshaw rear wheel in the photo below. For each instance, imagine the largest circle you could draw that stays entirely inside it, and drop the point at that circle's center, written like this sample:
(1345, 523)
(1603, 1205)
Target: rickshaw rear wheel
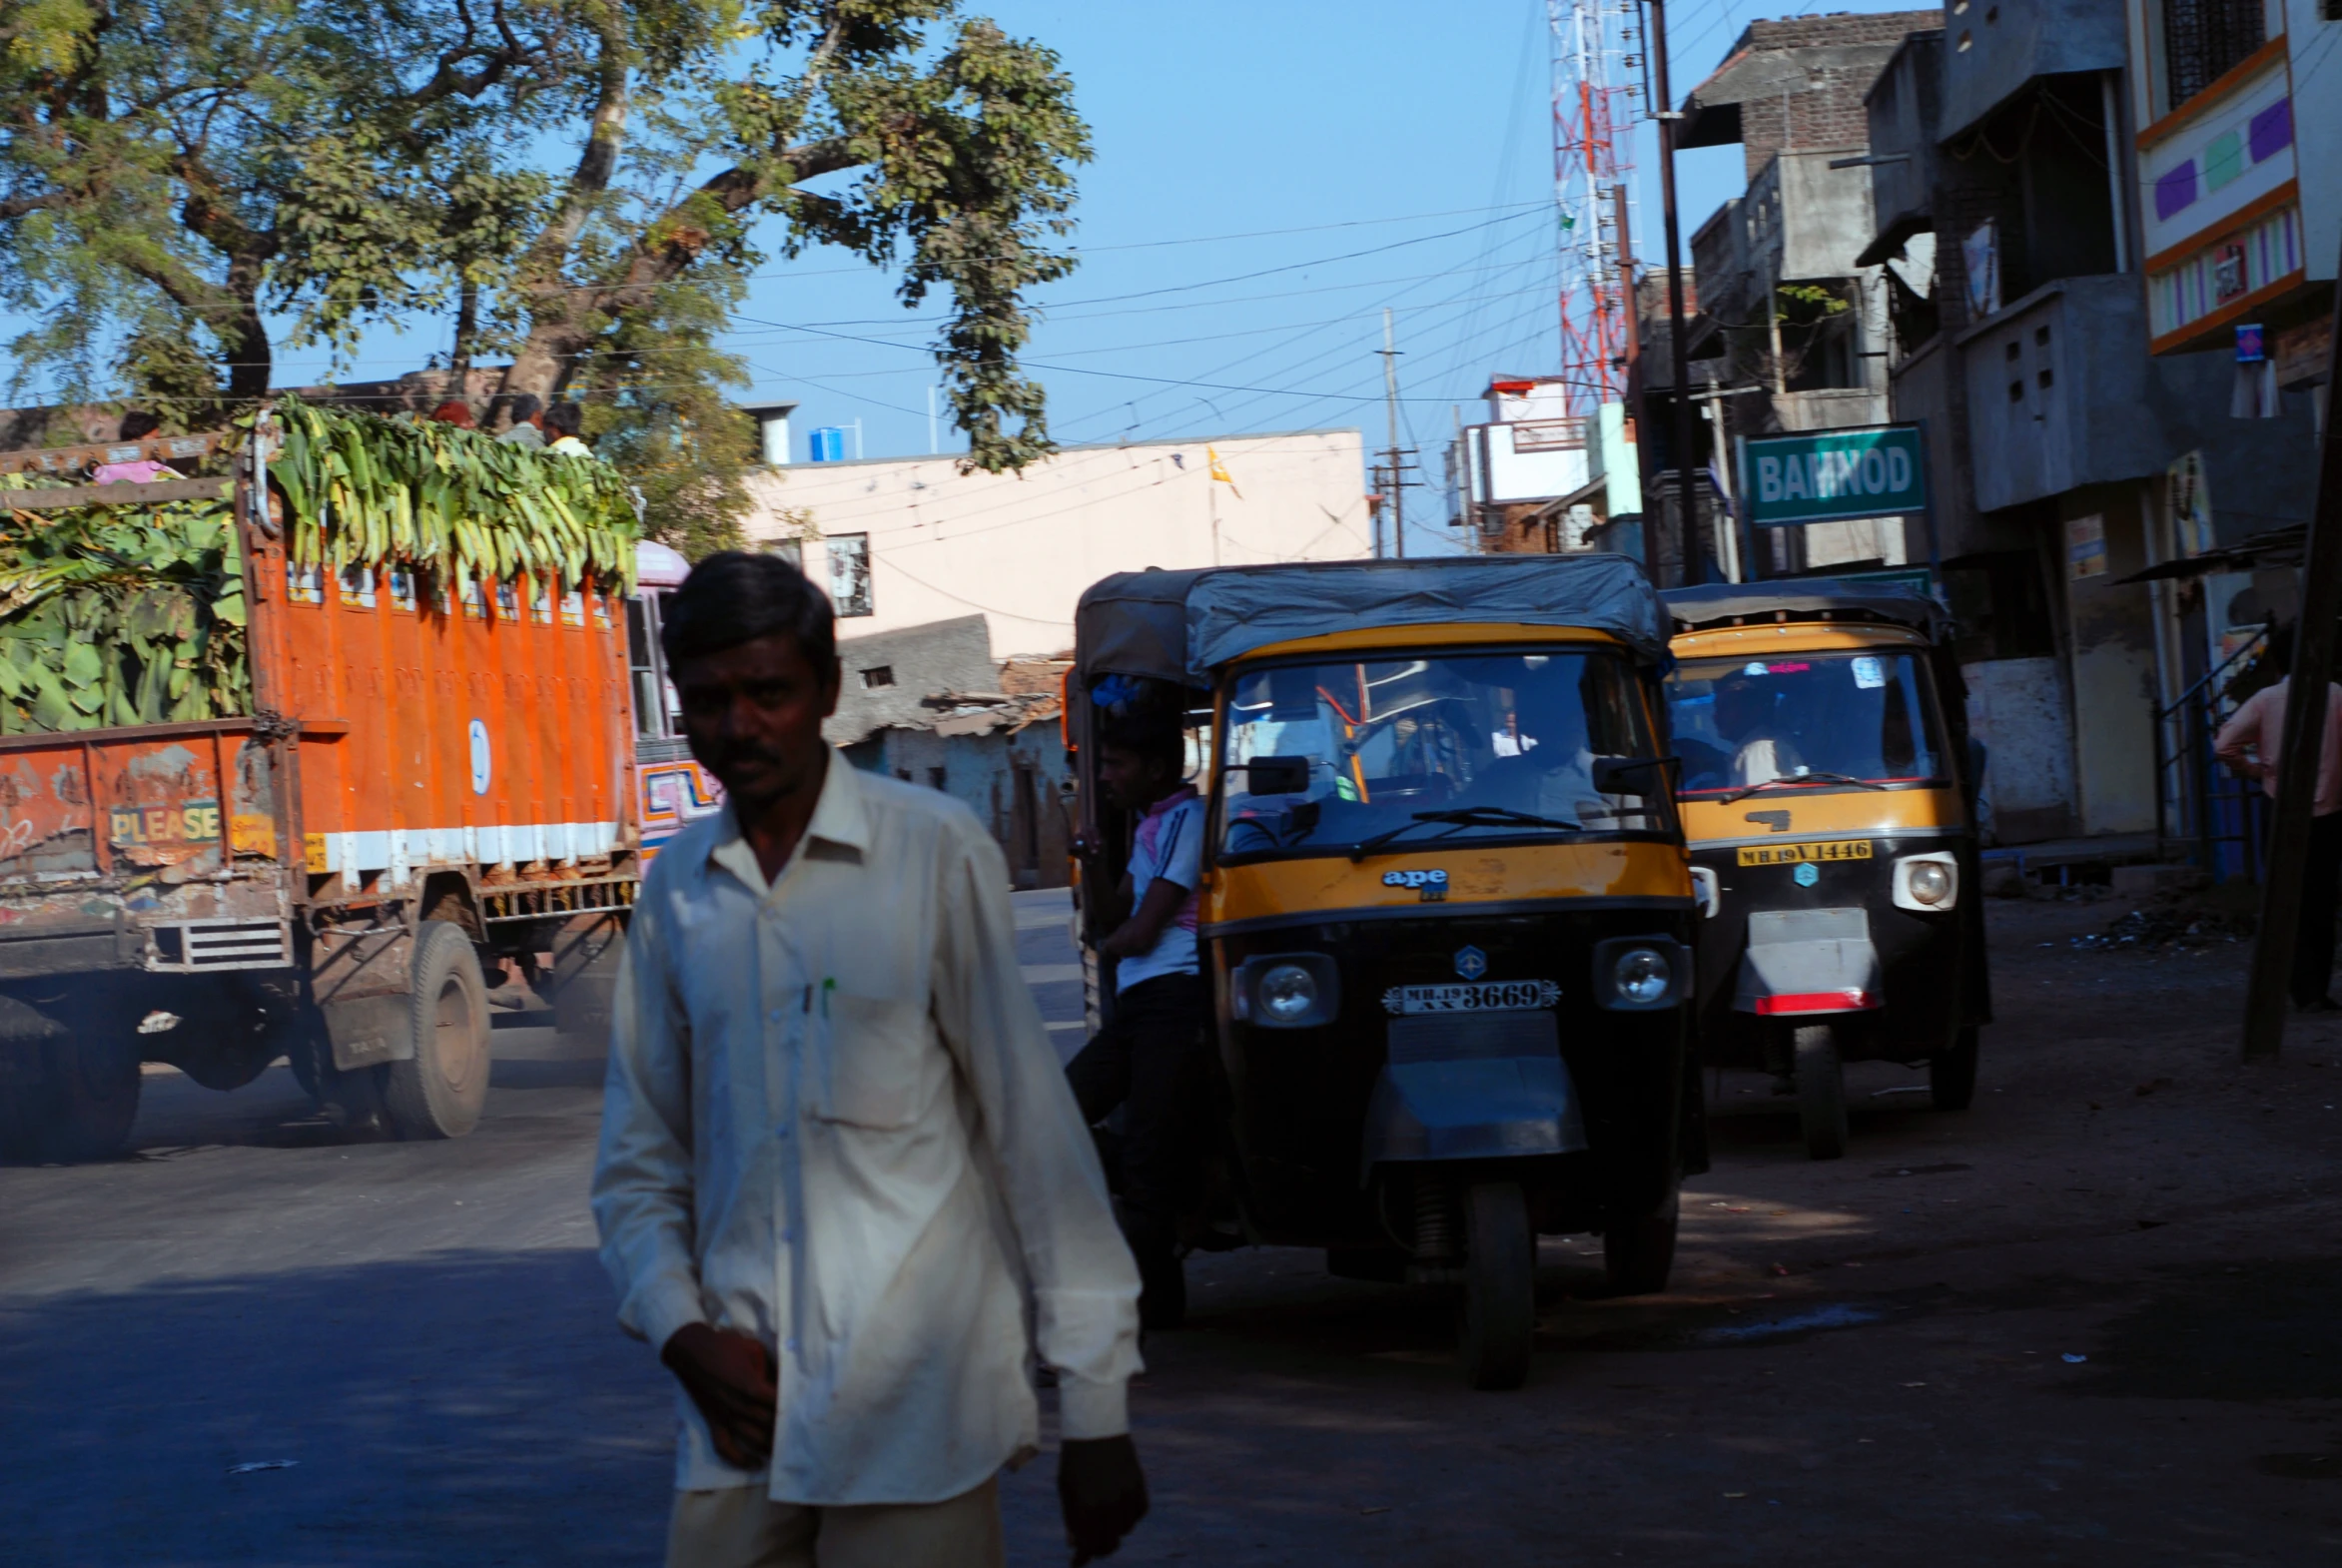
(1951, 1075)
(1639, 1255)
(1821, 1092)
(1500, 1285)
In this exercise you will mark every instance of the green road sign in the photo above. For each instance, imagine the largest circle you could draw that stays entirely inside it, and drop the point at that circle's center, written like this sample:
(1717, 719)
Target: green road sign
(1832, 475)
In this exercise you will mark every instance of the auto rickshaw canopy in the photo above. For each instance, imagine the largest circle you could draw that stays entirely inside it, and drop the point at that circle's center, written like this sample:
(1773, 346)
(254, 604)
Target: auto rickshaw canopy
(1180, 625)
(1808, 598)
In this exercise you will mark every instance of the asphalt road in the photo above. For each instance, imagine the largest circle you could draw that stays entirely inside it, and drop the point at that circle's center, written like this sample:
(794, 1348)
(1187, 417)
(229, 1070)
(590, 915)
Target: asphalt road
(1869, 1361)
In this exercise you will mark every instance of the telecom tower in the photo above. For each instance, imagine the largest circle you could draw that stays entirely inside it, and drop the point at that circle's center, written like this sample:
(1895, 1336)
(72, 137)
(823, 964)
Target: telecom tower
(1595, 54)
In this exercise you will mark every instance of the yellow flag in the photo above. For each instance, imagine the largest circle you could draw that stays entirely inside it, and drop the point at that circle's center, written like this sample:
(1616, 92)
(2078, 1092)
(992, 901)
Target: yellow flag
(1219, 472)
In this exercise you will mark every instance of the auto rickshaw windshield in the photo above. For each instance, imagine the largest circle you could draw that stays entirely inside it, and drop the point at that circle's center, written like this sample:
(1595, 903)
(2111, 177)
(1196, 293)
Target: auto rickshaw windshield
(1838, 720)
(1437, 746)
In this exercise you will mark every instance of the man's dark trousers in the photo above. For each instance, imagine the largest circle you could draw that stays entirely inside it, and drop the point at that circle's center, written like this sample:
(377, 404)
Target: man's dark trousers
(1150, 1060)
(2313, 943)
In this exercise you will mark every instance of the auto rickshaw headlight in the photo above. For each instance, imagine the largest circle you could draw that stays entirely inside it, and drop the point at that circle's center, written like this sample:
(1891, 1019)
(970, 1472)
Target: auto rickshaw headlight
(1287, 991)
(1640, 973)
(1642, 976)
(1927, 883)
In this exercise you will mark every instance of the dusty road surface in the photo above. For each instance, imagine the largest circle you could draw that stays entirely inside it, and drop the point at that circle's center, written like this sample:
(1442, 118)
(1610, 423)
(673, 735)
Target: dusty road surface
(2096, 1320)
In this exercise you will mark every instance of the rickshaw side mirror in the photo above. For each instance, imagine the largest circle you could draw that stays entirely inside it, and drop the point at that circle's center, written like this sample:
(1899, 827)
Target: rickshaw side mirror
(1619, 775)
(1277, 776)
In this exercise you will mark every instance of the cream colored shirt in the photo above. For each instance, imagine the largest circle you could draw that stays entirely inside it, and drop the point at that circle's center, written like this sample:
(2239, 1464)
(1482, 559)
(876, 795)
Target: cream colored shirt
(2253, 736)
(834, 1121)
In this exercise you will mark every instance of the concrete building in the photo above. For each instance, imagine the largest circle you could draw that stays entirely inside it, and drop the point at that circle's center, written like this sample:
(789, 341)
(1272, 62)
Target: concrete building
(1793, 324)
(929, 705)
(907, 541)
(2005, 166)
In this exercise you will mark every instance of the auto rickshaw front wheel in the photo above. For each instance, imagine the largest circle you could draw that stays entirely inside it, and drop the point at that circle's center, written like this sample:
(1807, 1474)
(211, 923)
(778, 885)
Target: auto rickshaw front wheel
(1637, 1255)
(1500, 1285)
(1821, 1090)
(1952, 1075)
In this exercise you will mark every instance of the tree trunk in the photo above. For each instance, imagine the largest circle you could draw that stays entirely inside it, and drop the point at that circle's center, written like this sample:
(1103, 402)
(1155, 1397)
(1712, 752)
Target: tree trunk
(244, 335)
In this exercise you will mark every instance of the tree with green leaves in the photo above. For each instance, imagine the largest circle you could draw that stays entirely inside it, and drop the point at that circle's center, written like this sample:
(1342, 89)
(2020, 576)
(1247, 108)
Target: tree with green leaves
(175, 178)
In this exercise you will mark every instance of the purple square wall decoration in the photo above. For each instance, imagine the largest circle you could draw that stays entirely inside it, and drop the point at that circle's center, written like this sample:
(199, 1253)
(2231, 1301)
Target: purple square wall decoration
(2272, 130)
(2175, 188)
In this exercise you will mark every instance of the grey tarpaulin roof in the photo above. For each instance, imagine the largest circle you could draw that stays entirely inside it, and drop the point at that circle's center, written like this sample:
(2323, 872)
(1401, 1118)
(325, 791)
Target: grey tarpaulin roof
(1177, 625)
(1809, 596)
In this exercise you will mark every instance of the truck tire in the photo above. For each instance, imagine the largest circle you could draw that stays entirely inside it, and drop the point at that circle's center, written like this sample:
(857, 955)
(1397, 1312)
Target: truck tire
(82, 1109)
(439, 1091)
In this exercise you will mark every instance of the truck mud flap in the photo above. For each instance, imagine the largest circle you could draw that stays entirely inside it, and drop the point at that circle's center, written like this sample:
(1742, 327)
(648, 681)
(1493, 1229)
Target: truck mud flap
(368, 1031)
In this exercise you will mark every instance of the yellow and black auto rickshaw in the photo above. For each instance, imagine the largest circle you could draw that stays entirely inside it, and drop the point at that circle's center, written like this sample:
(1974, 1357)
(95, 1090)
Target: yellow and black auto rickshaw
(1827, 792)
(1444, 910)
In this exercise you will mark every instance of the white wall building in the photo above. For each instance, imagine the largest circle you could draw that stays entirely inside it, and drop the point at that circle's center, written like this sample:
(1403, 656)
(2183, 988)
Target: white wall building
(902, 541)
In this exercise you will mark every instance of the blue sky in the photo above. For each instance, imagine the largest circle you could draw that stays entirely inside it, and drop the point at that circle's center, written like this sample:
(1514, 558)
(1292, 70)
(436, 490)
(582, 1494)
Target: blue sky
(1269, 177)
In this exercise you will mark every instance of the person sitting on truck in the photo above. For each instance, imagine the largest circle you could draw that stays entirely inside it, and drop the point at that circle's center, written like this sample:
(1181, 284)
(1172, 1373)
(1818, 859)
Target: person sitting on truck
(1149, 1061)
(529, 423)
(454, 411)
(137, 425)
(564, 421)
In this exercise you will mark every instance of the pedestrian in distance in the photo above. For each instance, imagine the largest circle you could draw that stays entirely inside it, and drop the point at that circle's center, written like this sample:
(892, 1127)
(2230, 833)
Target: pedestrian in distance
(1149, 1061)
(529, 423)
(563, 422)
(2250, 743)
(455, 411)
(842, 1185)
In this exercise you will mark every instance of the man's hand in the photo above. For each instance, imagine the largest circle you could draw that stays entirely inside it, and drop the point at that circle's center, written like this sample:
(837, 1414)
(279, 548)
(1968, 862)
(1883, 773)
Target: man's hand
(1102, 1492)
(732, 1379)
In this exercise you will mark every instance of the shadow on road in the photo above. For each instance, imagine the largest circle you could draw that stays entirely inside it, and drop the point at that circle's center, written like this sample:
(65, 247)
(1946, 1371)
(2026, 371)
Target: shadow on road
(461, 1408)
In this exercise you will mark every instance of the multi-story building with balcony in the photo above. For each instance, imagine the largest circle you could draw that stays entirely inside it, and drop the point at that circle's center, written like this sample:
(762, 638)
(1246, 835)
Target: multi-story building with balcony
(2006, 185)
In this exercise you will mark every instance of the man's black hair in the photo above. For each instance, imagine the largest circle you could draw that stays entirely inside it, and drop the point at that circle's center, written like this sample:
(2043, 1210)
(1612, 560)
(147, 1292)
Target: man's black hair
(136, 425)
(1156, 740)
(565, 419)
(525, 408)
(733, 597)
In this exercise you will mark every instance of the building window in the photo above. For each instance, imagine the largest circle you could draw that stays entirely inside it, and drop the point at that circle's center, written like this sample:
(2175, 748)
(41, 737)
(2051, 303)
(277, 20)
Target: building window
(850, 573)
(2204, 38)
(878, 675)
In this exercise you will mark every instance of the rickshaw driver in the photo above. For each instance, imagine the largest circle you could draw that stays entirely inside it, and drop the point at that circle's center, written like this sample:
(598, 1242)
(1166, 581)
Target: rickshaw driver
(1746, 721)
(1551, 775)
(1150, 1059)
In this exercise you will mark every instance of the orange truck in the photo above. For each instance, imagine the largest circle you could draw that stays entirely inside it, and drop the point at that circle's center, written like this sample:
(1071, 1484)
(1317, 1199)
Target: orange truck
(431, 797)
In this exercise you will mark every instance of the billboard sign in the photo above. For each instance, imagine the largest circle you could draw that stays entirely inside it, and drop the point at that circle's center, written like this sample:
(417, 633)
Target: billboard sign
(1833, 475)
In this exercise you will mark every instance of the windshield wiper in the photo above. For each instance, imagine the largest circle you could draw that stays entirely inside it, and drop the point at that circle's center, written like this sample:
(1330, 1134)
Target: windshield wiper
(1809, 776)
(1465, 817)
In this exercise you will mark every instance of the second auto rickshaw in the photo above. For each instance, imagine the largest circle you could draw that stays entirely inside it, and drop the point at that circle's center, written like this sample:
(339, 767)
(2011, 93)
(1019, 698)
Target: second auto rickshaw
(1444, 910)
(1828, 798)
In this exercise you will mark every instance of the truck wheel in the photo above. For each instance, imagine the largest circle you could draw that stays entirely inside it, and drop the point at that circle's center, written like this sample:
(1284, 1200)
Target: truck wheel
(1639, 1255)
(82, 1109)
(1952, 1075)
(439, 1091)
(1501, 1286)
(1821, 1092)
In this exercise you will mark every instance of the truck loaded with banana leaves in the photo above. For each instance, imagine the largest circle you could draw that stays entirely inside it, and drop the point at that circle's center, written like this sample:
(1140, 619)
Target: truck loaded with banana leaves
(304, 748)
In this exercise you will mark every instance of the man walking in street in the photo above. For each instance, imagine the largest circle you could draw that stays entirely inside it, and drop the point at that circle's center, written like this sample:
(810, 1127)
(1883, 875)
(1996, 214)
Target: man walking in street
(1150, 1059)
(2250, 743)
(840, 1171)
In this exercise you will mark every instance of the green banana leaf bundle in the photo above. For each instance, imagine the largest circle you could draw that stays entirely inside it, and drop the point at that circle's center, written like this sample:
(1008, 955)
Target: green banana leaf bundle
(364, 490)
(122, 614)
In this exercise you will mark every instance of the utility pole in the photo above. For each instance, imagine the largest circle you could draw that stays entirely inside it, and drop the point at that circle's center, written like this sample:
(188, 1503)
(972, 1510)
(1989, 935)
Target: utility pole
(1678, 351)
(1727, 536)
(1645, 475)
(1397, 465)
(2306, 724)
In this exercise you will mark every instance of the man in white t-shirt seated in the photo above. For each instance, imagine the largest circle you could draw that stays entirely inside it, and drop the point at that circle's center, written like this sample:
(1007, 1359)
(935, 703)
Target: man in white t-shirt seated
(1149, 1061)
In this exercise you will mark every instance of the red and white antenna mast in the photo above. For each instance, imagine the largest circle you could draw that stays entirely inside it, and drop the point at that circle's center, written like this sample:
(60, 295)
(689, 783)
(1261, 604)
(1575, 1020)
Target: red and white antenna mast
(1595, 51)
